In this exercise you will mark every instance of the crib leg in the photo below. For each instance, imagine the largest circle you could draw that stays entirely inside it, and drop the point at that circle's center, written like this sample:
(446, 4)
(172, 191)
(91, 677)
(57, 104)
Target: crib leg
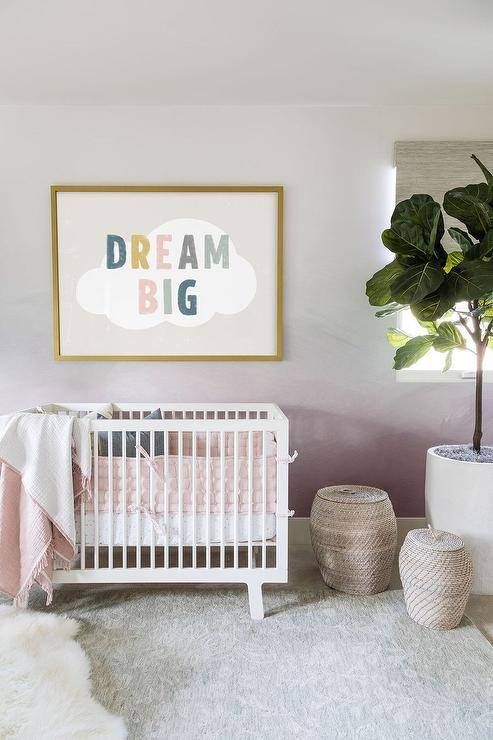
(255, 600)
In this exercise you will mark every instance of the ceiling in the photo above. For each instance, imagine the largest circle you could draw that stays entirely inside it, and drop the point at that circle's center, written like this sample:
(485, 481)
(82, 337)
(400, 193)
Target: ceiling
(308, 52)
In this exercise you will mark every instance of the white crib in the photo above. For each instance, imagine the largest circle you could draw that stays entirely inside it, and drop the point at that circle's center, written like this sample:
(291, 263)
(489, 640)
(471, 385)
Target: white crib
(201, 497)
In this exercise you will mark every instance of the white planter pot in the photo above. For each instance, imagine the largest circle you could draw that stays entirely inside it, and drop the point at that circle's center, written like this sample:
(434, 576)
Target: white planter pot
(459, 499)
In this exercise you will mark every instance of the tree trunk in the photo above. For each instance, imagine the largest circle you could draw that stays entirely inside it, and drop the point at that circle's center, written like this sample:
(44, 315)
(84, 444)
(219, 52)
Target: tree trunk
(478, 427)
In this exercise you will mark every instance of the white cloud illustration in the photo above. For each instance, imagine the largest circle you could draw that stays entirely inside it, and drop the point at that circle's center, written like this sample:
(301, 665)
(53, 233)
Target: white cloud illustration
(226, 286)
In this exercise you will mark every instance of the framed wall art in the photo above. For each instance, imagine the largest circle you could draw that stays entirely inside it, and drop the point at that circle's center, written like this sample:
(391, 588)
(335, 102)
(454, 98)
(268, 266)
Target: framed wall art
(167, 273)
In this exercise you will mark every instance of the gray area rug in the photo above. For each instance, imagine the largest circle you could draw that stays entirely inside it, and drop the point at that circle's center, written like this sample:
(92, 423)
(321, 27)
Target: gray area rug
(189, 663)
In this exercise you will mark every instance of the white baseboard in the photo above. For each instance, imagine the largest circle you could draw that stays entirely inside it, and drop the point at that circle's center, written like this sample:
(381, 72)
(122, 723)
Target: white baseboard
(299, 529)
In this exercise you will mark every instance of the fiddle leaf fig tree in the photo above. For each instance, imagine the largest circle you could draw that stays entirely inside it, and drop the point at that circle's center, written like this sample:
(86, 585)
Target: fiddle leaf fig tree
(450, 294)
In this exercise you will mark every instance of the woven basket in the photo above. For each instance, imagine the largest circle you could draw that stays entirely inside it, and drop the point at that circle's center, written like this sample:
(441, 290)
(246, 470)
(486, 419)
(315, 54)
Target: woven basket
(354, 534)
(436, 573)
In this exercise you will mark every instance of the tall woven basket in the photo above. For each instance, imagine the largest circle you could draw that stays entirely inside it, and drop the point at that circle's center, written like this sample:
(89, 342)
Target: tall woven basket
(354, 534)
(436, 574)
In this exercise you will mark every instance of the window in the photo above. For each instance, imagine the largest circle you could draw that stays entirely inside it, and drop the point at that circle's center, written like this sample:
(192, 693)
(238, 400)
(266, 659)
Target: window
(430, 367)
(434, 167)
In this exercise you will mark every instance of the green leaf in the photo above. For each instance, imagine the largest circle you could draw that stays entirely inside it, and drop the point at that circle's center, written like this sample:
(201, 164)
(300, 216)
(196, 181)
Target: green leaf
(485, 308)
(434, 306)
(471, 205)
(487, 174)
(449, 329)
(471, 280)
(448, 361)
(453, 258)
(415, 283)
(390, 310)
(437, 229)
(408, 211)
(430, 326)
(462, 238)
(406, 239)
(397, 338)
(432, 221)
(421, 210)
(448, 337)
(378, 287)
(485, 247)
(412, 351)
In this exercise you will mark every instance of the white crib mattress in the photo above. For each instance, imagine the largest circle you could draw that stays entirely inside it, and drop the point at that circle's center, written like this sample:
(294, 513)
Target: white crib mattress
(146, 527)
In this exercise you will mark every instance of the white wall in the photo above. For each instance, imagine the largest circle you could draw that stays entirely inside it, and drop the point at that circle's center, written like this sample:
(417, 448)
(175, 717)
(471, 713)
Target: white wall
(350, 420)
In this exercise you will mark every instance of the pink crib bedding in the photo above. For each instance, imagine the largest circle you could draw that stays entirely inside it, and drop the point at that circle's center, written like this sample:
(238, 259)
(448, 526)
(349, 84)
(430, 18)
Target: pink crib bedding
(124, 477)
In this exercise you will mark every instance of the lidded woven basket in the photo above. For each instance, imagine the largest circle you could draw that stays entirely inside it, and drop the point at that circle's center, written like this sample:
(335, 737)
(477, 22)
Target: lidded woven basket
(354, 534)
(436, 574)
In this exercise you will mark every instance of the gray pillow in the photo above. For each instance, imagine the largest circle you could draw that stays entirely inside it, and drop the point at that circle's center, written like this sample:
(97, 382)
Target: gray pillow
(131, 440)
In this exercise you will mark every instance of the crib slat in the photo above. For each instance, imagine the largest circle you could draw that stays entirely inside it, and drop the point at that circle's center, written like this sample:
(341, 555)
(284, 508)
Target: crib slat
(110, 499)
(194, 500)
(180, 499)
(165, 504)
(281, 542)
(250, 462)
(264, 500)
(151, 499)
(96, 499)
(214, 417)
(138, 502)
(82, 532)
(221, 517)
(235, 499)
(124, 498)
(207, 499)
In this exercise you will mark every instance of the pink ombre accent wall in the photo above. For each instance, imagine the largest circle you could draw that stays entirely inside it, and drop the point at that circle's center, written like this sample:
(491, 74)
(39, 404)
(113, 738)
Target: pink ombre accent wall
(350, 420)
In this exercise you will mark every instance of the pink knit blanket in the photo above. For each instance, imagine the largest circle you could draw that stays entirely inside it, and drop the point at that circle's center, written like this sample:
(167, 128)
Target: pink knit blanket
(37, 523)
(28, 540)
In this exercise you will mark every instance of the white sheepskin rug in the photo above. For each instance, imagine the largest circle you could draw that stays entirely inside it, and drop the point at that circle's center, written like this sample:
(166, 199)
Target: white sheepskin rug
(45, 686)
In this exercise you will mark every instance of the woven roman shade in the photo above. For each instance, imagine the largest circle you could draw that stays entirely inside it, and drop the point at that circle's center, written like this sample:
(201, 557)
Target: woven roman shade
(434, 167)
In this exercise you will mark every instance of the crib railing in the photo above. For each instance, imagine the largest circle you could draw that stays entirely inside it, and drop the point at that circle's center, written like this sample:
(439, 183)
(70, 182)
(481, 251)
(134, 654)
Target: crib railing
(178, 535)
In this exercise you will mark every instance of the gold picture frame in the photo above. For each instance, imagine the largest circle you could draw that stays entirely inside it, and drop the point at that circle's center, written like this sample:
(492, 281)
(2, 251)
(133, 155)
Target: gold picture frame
(276, 189)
